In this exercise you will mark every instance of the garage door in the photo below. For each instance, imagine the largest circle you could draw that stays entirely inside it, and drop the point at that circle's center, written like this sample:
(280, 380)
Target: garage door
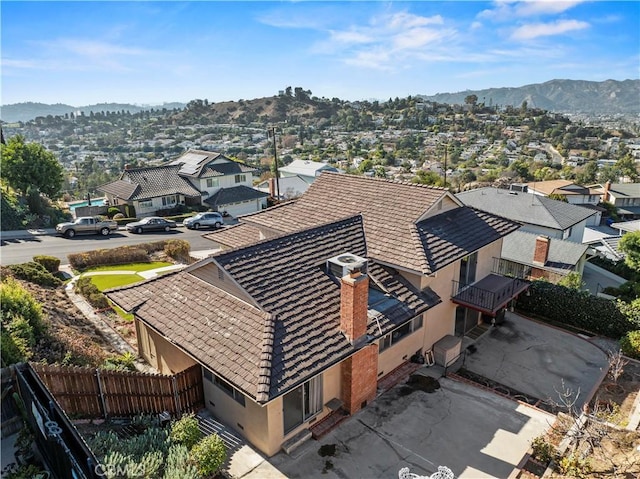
(240, 208)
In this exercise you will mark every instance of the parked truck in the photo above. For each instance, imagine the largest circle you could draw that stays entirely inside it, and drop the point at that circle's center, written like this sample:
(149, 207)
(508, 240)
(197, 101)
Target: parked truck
(87, 225)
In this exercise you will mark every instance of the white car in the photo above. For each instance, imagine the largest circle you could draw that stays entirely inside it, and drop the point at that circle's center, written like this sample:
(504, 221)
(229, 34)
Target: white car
(202, 220)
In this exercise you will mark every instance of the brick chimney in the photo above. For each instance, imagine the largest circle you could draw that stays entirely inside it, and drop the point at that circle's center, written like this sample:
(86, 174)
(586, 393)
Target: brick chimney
(607, 186)
(359, 372)
(354, 305)
(541, 252)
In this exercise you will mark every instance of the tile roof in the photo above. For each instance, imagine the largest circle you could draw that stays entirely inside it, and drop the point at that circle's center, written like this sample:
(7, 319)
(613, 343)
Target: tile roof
(390, 210)
(235, 194)
(294, 332)
(120, 189)
(222, 169)
(150, 182)
(235, 236)
(212, 326)
(525, 207)
(563, 255)
(456, 233)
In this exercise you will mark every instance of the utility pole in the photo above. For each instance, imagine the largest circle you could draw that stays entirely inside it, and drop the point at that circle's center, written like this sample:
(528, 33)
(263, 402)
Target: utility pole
(272, 132)
(445, 164)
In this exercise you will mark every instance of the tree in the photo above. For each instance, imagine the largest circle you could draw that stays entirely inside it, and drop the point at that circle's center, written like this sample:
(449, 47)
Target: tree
(630, 246)
(28, 166)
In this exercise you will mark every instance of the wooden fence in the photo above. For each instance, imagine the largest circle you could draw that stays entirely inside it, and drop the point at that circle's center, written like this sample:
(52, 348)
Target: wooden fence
(93, 393)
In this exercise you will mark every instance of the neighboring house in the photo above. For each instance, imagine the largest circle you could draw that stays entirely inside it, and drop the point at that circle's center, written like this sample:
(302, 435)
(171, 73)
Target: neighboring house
(290, 187)
(320, 298)
(197, 177)
(604, 241)
(538, 214)
(626, 226)
(305, 169)
(624, 196)
(531, 256)
(572, 193)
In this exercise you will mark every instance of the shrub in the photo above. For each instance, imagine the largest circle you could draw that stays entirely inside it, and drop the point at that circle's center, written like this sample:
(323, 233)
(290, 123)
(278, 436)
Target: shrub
(178, 465)
(113, 211)
(118, 216)
(186, 431)
(543, 450)
(90, 291)
(630, 344)
(34, 273)
(121, 255)
(575, 308)
(125, 362)
(574, 466)
(209, 455)
(130, 211)
(50, 263)
(178, 250)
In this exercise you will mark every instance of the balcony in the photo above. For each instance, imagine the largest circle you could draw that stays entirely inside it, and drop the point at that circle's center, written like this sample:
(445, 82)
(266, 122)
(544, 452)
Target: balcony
(488, 295)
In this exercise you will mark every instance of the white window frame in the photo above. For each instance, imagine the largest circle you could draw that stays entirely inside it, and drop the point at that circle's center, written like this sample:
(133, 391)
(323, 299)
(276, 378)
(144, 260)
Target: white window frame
(213, 183)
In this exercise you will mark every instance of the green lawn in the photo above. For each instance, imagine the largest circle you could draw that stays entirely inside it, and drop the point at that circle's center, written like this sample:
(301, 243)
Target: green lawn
(114, 280)
(107, 281)
(130, 267)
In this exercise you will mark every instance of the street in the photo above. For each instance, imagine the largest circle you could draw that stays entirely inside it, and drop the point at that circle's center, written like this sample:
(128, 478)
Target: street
(21, 251)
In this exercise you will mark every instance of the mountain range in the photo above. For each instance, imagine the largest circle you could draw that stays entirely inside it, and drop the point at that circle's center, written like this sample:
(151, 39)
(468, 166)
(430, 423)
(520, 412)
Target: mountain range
(562, 96)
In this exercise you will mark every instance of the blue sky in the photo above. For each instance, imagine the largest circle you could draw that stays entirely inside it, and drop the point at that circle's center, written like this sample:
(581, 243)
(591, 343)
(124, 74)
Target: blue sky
(82, 53)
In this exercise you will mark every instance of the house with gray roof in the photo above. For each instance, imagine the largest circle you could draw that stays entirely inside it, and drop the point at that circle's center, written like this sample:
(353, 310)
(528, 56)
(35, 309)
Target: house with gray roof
(537, 214)
(307, 170)
(532, 256)
(311, 304)
(197, 177)
(624, 196)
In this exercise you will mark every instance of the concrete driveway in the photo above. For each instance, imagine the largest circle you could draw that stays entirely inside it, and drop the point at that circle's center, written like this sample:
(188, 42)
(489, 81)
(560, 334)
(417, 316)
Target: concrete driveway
(473, 432)
(534, 358)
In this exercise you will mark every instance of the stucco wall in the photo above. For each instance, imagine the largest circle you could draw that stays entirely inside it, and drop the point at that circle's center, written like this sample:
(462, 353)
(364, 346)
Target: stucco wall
(398, 353)
(159, 352)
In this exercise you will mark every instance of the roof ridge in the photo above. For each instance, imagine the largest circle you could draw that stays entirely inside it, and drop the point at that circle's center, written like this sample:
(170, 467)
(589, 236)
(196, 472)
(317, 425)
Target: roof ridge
(384, 180)
(266, 358)
(286, 234)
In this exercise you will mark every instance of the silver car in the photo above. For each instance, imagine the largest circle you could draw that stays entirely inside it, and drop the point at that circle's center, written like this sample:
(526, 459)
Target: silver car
(202, 220)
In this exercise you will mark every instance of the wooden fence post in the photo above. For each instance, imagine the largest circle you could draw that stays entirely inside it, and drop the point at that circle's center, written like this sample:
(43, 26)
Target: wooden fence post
(102, 401)
(176, 396)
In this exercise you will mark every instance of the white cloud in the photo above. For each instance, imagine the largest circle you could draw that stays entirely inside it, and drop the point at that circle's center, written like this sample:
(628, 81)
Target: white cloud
(507, 10)
(535, 30)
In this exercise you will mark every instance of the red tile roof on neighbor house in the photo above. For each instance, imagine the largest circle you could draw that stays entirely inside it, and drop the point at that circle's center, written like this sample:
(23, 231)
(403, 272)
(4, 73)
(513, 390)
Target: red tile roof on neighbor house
(291, 330)
(391, 212)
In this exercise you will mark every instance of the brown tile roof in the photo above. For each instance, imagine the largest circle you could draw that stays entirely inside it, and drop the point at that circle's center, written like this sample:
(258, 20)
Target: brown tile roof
(391, 211)
(287, 278)
(235, 236)
(120, 189)
(214, 327)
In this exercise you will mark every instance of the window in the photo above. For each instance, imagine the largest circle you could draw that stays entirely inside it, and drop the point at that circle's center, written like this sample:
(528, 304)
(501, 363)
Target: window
(241, 178)
(224, 385)
(213, 182)
(146, 204)
(468, 269)
(397, 334)
(169, 200)
(302, 403)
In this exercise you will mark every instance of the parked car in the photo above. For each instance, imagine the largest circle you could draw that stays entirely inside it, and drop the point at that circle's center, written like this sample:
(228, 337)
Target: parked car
(151, 223)
(202, 220)
(86, 225)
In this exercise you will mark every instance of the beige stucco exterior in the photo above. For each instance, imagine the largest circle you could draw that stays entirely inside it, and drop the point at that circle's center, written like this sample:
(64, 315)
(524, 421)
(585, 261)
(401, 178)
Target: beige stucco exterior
(159, 352)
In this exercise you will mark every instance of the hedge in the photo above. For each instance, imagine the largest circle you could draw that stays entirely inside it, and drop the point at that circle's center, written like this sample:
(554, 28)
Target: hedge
(90, 291)
(575, 308)
(34, 273)
(51, 263)
(176, 249)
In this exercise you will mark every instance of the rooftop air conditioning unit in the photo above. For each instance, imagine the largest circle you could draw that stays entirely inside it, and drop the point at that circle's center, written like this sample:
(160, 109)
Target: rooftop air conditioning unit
(346, 263)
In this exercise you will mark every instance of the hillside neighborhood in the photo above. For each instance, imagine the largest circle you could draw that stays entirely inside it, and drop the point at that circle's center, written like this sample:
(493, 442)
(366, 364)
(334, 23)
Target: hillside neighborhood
(387, 285)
